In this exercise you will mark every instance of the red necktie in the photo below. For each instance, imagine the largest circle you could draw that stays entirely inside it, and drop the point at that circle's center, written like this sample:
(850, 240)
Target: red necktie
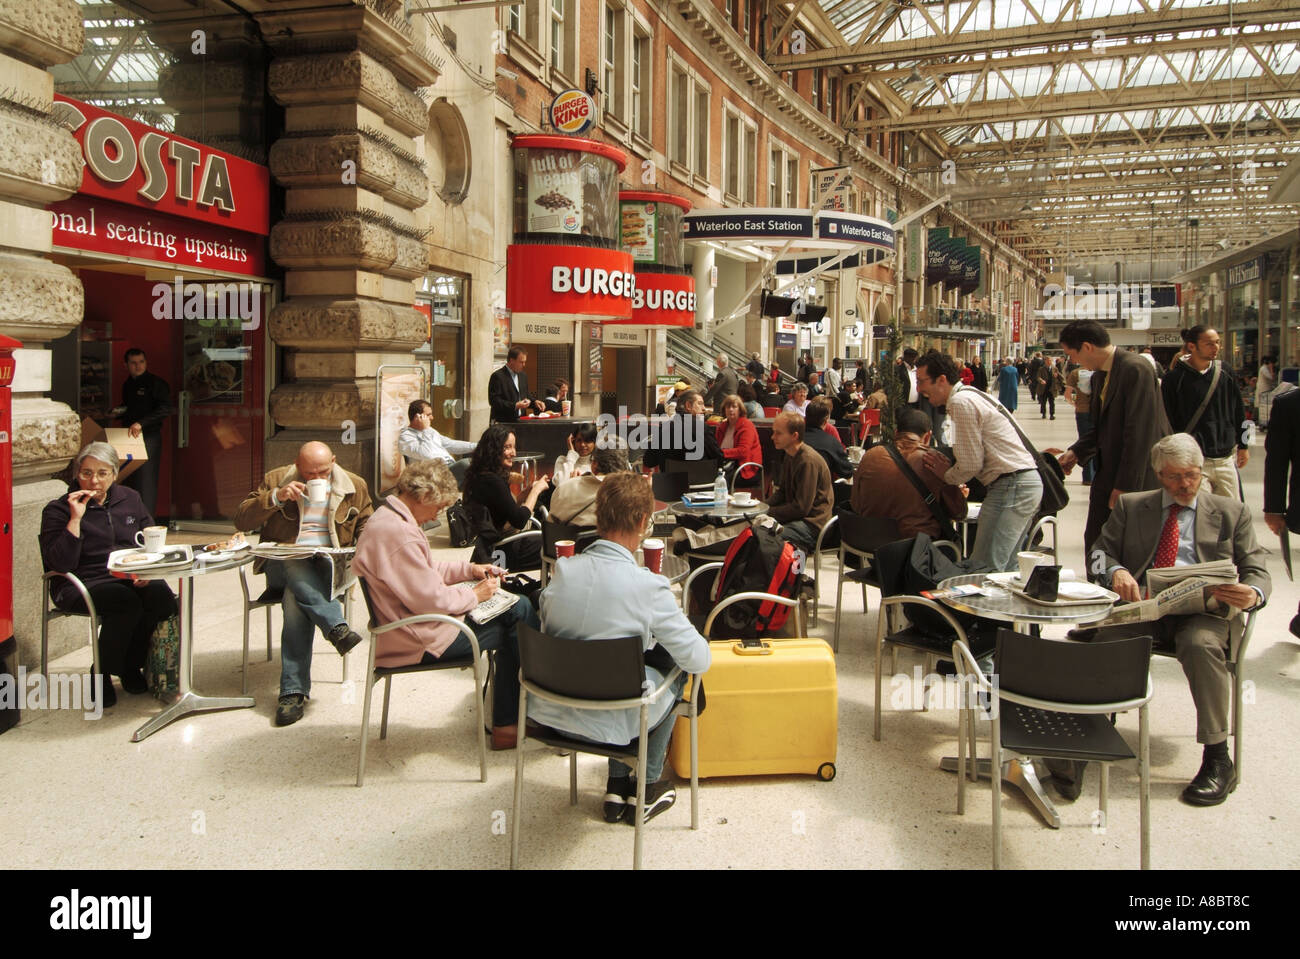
(1167, 550)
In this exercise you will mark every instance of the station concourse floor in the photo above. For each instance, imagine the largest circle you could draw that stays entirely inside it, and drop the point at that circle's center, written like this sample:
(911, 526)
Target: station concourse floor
(230, 790)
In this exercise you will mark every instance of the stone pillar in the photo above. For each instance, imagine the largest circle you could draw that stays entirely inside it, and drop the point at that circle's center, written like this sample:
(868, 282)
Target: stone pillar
(40, 301)
(349, 242)
(704, 298)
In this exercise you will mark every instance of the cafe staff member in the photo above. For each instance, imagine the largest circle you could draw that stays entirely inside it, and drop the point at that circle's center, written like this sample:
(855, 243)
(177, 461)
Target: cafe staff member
(146, 402)
(508, 389)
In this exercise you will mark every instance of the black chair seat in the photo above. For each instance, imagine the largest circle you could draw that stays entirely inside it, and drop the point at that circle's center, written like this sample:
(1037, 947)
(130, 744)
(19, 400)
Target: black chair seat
(914, 638)
(867, 576)
(1042, 732)
(456, 662)
(560, 740)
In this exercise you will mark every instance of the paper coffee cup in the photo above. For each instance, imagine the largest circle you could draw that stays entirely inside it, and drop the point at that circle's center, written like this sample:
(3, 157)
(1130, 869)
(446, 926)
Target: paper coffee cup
(318, 492)
(566, 407)
(653, 551)
(1028, 560)
(564, 547)
(152, 538)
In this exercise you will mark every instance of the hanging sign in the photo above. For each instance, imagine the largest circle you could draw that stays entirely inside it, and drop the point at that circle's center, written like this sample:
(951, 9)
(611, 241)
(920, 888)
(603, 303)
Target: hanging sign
(568, 281)
(573, 112)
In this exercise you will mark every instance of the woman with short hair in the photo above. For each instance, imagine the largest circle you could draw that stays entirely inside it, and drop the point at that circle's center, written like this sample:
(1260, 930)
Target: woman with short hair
(78, 532)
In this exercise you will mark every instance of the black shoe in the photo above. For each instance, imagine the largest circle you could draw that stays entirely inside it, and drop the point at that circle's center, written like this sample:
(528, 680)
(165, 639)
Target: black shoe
(290, 709)
(617, 792)
(1295, 625)
(110, 696)
(1213, 783)
(343, 638)
(1067, 777)
(133, 681)
(658, 798)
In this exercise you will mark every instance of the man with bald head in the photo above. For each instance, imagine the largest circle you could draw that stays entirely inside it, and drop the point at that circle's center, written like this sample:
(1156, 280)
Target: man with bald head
(285, 514)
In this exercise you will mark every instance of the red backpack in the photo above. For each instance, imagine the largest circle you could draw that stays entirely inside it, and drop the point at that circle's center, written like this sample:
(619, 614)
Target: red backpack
(758, 561)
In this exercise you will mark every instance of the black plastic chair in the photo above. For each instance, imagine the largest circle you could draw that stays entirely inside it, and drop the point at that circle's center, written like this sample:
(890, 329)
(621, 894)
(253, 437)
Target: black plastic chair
(860, 537)
(1054, 699)
(553, 532)
(599, 675)
(668, 487)
(699, 473)
(482, 684)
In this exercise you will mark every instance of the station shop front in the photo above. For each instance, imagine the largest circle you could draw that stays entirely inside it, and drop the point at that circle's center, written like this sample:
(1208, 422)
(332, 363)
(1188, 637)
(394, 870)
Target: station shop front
(169, 240)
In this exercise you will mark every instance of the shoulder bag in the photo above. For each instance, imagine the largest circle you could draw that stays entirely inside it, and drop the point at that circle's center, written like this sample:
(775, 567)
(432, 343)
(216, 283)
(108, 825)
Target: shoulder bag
(1209, 395)
(931, 500)
(1055, 496)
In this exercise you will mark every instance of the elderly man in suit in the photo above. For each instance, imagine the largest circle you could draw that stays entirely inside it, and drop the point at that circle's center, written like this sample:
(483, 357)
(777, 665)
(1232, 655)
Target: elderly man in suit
(1282, 457)
(1177, 525)
(1128, 416)
(508, 389)
(725, 384)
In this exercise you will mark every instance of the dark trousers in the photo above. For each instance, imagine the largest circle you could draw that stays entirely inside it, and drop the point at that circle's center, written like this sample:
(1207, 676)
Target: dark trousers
(1082, 424)
(127, 618)
(145, 480)
(1047, 401)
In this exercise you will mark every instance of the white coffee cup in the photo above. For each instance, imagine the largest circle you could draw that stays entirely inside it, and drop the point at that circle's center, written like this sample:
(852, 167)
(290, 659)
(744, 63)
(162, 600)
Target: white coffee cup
(1028, 560)
(152, 538)
(742, 499)
(318, 492)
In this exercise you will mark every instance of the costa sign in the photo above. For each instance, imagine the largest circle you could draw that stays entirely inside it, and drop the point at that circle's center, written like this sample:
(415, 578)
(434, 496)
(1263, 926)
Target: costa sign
(663, 299)
(573, 112)
(569, 281)
(128, 162)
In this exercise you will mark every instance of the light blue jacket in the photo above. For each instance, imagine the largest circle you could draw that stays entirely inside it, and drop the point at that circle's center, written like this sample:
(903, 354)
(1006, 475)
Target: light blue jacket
(603, 594)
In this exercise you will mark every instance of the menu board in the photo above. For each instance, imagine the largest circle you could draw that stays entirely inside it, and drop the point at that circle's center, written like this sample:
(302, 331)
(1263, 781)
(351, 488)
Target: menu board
(640, 230)
(555, 192)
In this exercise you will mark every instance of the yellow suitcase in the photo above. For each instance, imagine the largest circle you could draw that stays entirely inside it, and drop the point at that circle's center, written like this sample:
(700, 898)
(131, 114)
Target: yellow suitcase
(769, 710)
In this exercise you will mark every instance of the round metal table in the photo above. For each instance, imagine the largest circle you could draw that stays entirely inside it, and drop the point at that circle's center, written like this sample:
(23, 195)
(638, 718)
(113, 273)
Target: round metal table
(727, 513)
(529, 465)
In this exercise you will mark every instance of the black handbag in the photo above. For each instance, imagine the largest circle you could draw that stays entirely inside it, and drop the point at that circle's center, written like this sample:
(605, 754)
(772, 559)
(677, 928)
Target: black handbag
(459, 528)
(524, 586)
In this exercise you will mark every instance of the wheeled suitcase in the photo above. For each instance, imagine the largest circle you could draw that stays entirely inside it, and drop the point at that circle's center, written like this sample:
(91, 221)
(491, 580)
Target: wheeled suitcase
(771, 709)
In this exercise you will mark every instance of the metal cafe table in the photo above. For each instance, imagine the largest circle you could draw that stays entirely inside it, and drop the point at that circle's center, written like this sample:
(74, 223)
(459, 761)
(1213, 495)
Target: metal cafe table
(1004, 605)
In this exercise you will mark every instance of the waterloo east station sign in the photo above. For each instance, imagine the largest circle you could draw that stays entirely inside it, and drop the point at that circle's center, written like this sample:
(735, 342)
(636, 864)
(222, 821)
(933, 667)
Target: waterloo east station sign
(152, 195)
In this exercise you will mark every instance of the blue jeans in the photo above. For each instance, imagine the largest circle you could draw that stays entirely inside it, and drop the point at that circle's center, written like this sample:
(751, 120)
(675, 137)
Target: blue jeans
(657, 740)
(500, 634)
(1083, 423)
(1005, 517)
(306, 604)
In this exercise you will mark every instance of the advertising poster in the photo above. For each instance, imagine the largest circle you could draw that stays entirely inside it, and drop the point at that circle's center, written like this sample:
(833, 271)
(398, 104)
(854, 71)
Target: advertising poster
(831, 188)
(554, 192)
(500, 332)
(398, 386)
(640, 230)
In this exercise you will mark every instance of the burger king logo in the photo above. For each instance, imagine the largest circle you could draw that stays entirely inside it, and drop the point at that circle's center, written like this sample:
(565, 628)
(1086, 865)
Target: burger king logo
(573, 112)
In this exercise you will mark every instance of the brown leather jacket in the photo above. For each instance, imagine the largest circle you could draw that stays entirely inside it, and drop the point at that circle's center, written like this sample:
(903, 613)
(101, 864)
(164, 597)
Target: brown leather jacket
(349, 505)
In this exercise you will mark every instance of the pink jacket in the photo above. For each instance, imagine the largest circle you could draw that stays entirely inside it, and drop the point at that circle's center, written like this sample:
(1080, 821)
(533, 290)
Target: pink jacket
(394, 558)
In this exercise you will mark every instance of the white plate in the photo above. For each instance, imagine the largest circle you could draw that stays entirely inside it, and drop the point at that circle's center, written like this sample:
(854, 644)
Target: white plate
(1081, 591)
(1005, 579)
(743, 503)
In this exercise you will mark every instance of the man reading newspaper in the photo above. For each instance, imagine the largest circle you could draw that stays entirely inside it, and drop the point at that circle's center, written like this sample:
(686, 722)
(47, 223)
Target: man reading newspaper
(1153, 534)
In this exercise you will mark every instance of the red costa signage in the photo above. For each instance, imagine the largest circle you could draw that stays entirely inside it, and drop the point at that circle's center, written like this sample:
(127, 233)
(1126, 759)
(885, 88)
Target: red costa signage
(569, 281)
(82, 223)
(663, 299)
(132, 163)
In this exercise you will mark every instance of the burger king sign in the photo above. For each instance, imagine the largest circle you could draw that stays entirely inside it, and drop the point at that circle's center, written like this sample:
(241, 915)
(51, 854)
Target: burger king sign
(573, 112)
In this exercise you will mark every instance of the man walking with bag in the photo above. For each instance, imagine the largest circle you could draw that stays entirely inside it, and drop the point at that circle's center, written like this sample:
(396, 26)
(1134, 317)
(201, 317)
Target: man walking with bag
(1203, 398)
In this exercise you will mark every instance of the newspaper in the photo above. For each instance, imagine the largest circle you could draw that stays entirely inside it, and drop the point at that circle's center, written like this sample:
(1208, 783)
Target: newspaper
(1178, 591)
(297, 551)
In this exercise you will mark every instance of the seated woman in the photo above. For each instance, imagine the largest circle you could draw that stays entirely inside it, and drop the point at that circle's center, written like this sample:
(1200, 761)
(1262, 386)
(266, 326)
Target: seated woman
(403, 579)
(750, 399)
(78, 531)
(556, 394)
(582, 443)
(739, 439)
(493, 509)
(798, 401)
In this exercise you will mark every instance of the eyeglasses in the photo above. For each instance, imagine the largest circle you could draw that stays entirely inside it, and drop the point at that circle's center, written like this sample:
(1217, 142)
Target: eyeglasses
(96, 475)
(1188, 476)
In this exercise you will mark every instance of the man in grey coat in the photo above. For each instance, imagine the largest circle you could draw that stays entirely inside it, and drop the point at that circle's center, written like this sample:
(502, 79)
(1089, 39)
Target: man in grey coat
(724, 384)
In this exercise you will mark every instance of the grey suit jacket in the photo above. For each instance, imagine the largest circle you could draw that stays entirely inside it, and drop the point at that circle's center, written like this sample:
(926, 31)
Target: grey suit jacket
(1223, 531)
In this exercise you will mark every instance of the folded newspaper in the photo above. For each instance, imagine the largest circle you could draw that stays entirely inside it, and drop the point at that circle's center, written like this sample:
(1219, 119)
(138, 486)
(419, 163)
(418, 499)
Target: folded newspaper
(1178, 591)
(296, 551)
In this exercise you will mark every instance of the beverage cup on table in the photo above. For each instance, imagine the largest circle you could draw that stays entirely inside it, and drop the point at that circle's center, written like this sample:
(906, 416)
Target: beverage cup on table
(1028, 560)
(653, 551)
(152, 538)
(743, 499)
(318, 492)
(566, 407)
(564, 547)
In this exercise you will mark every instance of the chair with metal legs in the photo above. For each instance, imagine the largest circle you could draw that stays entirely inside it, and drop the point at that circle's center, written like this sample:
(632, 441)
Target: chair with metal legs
(269, 599)
(553, 532)
(50, 612)
(482, 684)
(860, 537)
(1053, 699)
(1040, 527)
(595, 675)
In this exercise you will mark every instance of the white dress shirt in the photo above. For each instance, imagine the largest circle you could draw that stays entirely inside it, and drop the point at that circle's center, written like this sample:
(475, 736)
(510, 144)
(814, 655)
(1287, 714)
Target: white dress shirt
(429, 444)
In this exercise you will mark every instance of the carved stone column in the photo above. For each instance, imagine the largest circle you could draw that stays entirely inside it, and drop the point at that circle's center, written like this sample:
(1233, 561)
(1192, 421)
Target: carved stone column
(40, 301)
(347, 78)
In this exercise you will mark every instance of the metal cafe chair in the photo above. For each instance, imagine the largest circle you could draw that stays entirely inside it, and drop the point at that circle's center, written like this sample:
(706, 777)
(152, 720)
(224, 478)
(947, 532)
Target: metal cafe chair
(50, 612)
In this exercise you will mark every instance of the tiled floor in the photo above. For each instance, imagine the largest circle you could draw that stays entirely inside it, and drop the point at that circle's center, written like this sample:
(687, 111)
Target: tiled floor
(230, 789)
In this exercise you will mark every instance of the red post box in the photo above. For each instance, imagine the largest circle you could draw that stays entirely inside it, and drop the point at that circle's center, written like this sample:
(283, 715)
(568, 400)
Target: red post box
(8, 645)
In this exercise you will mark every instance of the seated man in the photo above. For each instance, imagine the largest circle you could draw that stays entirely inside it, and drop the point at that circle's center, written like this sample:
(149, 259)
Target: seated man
(798, 401)
(404, 580)
(803, 500)
(1175, 526)
(420, 441)
(815, 388)
(281, 509)
(686, 436)
(603, 594)
(881, 489)
(575, 501)
(817, 436)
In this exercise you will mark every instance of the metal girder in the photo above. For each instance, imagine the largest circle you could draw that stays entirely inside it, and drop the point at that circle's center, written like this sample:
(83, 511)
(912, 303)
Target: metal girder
(1063, 31)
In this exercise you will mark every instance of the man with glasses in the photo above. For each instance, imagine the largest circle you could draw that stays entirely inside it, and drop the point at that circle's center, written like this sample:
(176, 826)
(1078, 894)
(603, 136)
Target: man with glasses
(1177, 525)
(986, 446)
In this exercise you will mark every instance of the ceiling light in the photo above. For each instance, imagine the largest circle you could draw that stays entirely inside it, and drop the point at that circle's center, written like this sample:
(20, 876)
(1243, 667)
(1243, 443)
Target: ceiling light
(914, 79)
